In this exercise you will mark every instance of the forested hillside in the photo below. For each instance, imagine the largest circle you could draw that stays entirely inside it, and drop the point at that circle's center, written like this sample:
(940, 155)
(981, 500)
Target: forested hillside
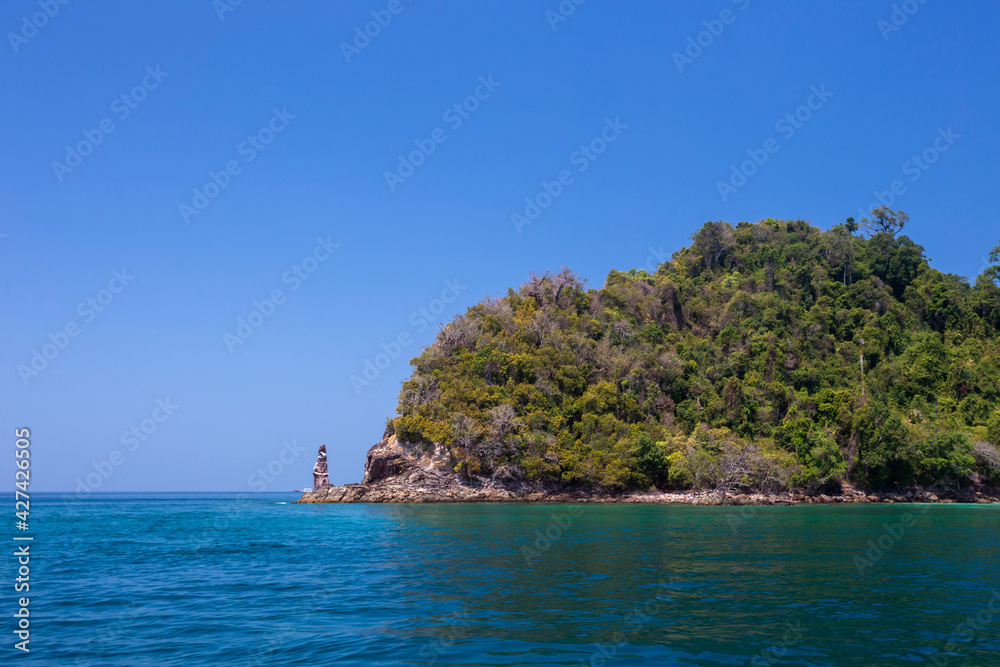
(735, 366)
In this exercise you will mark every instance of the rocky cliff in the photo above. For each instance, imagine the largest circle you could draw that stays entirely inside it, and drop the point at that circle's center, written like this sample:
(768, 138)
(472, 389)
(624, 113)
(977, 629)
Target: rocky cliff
(397, 472)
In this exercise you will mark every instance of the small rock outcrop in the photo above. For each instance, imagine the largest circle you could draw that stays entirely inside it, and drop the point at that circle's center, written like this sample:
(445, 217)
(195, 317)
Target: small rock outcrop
(397, 472)
(321, 477)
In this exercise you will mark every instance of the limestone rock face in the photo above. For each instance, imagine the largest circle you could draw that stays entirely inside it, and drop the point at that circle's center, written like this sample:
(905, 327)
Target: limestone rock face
(321, 477)
(386, 459)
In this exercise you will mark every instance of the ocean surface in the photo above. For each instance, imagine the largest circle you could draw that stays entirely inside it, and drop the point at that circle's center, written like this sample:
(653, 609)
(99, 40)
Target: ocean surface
(223, 579)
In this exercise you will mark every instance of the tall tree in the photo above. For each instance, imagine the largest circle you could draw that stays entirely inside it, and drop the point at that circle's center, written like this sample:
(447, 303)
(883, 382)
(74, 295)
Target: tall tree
(885, 221)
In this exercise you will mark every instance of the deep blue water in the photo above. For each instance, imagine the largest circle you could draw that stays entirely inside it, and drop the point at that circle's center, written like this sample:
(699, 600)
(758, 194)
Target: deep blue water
(215, 580)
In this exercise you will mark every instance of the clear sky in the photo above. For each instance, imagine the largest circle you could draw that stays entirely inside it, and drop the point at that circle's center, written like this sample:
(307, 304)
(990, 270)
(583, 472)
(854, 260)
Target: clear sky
(169, 168)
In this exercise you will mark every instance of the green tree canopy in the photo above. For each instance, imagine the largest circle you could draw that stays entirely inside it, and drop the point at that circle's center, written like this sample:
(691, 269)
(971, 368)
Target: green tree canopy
(735, 364)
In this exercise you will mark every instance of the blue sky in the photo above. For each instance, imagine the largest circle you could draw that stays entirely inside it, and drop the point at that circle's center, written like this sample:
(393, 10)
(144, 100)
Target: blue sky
(278, 139)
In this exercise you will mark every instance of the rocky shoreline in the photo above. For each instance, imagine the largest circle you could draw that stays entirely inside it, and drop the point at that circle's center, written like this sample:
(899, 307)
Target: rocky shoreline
(399, 473)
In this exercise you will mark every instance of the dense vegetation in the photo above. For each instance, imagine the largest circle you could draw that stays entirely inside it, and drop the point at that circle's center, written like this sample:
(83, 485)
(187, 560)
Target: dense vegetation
(736, 365)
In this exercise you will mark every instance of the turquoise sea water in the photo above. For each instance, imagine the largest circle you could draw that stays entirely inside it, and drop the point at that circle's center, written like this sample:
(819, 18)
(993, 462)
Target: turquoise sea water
(219, 580)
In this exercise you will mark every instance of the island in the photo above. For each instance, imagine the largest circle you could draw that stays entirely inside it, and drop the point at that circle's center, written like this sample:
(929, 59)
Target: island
(767, 362)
